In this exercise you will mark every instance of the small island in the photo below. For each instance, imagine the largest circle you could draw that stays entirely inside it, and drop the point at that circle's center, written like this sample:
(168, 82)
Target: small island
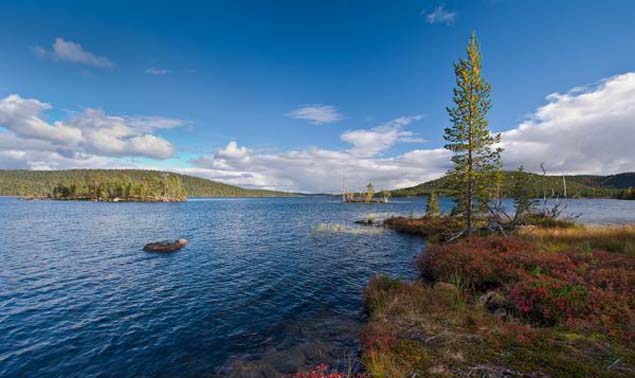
(163, 187)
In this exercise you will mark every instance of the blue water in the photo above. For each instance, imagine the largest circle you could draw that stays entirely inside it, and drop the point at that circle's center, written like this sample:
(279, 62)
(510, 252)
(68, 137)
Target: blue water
(261, 287)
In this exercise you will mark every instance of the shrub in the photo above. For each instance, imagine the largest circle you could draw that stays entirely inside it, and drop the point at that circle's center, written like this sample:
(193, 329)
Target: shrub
(437, 227)
(577, 288)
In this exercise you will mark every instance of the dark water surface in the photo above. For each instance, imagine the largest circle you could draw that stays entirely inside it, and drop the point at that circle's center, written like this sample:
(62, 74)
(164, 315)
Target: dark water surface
(263, 286)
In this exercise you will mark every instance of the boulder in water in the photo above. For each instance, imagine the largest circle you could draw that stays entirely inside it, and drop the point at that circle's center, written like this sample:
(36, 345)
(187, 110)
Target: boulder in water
(165, 246)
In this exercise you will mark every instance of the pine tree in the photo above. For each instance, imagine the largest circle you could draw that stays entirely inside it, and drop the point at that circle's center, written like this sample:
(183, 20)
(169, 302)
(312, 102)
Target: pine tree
(432, 207)
(477, 161)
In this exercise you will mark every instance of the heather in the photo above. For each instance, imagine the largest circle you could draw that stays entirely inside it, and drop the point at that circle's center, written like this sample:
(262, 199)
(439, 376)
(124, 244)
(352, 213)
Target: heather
(509, 306)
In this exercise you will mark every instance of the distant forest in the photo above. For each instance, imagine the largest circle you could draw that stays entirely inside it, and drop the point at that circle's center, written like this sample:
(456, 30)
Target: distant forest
(126, 185)
(620, 186)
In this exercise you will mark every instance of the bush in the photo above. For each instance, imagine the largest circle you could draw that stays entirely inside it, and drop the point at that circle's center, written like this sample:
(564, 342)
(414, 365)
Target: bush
(438, 227)
(576, 288)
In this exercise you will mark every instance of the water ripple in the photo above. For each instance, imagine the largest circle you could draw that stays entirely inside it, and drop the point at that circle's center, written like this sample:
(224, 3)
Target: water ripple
(79, 298)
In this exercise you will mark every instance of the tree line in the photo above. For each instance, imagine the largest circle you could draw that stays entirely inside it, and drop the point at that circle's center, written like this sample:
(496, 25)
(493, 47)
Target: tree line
(164, 187)
(117, 183)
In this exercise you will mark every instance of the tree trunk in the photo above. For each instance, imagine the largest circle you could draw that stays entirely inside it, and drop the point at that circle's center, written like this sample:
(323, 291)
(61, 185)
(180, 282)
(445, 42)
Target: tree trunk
(470, 194)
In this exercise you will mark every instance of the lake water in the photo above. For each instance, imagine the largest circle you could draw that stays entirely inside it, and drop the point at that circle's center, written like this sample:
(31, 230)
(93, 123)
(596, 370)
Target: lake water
(264, 286)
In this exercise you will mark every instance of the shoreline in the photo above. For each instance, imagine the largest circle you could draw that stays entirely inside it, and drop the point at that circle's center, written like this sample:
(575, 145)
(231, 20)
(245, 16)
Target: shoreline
(433, 326)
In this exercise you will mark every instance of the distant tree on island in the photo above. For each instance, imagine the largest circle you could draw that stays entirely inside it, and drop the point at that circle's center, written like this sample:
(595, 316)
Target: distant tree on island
(477, 161)
(167, 187)
(370, 193)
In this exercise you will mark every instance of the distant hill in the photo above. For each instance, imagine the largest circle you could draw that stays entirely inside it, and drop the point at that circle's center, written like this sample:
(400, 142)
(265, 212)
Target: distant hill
(28, 182)
(619, 181)
(577, 186)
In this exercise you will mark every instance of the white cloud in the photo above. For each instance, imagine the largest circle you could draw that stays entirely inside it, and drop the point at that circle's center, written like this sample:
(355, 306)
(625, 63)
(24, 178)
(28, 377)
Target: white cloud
(22, 117)
(585, 130)
(316, 114)
(90, 137)
(370, 142)
(322, 170)
(158, 71)
(440, 15)
(68, 51)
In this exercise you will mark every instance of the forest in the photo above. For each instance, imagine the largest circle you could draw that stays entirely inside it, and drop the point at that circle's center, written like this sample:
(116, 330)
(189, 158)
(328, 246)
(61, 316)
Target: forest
(618, 186)
(125, 185)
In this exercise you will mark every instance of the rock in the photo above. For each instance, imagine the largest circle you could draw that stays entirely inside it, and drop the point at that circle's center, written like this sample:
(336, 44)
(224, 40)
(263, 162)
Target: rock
(500, 313)
(165, 246)
(494, 301)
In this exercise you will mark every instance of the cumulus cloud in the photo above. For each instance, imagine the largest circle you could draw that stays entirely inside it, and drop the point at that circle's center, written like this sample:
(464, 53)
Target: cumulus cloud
(158, 71)
(440, 15)
(72, 52)
(370, 142)
(89, 138)
(316, 114)
(587, 130)
(322, 170)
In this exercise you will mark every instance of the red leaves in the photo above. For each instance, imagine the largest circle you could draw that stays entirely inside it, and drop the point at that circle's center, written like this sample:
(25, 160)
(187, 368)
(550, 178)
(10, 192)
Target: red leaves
(574, 288)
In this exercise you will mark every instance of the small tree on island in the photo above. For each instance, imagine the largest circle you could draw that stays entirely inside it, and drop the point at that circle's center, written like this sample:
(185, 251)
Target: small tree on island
(370, 193)
(432, 206)
(477, 161)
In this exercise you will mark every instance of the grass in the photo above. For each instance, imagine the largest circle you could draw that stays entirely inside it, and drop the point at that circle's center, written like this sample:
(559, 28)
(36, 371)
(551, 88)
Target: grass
(323, 371)
(548, 302)
(620, 239)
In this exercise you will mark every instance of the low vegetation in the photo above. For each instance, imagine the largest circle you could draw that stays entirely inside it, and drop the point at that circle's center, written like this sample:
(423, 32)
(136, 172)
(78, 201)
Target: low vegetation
(323, 371)
(433, 228)
(509, 306)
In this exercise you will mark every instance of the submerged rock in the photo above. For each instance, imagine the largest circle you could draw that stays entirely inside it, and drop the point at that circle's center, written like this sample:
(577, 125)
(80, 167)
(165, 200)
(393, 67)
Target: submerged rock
(165, 246)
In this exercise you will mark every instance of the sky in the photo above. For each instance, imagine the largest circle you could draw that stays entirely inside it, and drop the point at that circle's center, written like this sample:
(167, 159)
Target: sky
(309, 95)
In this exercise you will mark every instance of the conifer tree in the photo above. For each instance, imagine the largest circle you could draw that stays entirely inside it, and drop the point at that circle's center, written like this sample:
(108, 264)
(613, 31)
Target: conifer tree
(476, 159)
(432, 206)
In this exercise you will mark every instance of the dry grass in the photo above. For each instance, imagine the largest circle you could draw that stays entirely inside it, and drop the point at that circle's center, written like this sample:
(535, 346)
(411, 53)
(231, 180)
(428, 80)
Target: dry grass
(619, 239)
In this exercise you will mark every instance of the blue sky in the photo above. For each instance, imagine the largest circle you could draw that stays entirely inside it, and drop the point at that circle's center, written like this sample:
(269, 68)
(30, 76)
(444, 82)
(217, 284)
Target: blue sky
(297, 95)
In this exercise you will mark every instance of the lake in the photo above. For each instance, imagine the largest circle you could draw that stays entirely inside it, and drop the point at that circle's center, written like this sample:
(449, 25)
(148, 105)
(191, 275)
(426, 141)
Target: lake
(266, 285)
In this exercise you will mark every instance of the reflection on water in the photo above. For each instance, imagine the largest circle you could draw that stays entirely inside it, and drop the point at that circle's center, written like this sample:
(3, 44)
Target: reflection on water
(265, 285)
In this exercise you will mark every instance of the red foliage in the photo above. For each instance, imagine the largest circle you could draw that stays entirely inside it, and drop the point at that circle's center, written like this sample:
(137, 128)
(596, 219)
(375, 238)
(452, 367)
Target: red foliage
(378, 336)
(575, 288)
